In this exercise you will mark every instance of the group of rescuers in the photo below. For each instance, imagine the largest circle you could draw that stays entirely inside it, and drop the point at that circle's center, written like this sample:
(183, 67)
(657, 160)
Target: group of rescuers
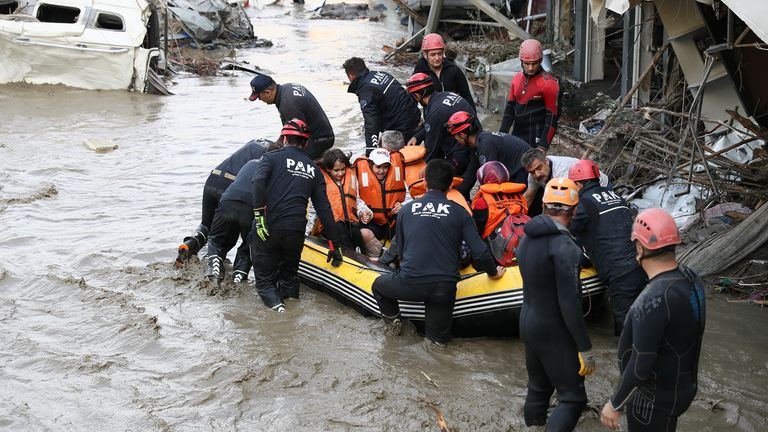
(550, 214)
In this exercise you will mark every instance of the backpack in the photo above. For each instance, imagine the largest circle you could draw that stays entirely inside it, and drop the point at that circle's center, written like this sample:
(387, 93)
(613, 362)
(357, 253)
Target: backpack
(506, 237)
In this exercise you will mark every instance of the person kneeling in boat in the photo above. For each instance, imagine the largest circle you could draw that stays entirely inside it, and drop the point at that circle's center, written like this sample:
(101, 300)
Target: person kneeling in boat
(499, 210)
(382, 187)
(284, 182)
(346, 204)
(428, 238)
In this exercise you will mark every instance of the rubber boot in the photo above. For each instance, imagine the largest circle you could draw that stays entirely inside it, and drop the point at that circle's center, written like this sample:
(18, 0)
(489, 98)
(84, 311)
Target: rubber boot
(242, 265)
(215, 269)
(190, 247)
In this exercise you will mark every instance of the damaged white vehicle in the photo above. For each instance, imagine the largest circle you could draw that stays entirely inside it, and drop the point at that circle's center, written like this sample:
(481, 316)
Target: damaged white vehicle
(90, 44)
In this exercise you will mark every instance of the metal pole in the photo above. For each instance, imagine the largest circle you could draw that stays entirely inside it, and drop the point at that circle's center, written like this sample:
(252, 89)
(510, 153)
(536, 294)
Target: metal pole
(434, 16)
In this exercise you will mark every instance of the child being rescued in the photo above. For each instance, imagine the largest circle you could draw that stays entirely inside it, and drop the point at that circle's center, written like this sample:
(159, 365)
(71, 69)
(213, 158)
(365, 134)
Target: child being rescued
(341, 187)
(500, 211)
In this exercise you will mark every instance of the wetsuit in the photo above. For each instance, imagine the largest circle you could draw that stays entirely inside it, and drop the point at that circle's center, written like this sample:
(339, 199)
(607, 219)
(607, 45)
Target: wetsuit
(284, 182)
(533, 106)
(220, 179)
(427, 241)
(234, 217)
(295, 101)
(603, 224)
(452, 79)
(551, 324)
(558, 167)
(659, 351)
(385, 105)
(440, 144)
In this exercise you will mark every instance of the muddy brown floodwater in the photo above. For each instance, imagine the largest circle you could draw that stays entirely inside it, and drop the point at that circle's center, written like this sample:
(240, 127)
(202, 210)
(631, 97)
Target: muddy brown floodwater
(99, 331)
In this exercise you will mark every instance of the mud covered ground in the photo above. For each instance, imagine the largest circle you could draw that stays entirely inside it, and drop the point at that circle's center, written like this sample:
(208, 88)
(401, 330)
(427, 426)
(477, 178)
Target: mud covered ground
(101, 332)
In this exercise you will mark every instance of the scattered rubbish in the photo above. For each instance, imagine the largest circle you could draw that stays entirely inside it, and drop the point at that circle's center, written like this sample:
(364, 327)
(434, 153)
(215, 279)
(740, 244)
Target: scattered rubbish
(593, 124)
(349, 11)
(668, 196)
(100, 145)
(430, 379)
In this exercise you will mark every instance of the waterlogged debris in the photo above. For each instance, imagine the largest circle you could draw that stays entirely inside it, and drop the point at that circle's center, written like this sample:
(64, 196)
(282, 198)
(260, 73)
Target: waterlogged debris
(46, 191)
(100, 145)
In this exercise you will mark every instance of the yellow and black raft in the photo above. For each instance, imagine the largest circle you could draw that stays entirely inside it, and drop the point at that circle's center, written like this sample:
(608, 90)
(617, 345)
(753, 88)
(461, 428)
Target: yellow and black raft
(484, 307)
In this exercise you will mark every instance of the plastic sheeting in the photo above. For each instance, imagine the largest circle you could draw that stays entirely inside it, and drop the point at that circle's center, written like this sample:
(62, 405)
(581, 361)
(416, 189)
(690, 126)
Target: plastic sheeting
(682, 208)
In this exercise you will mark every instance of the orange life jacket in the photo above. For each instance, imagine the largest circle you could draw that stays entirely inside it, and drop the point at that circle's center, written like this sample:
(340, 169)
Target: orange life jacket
(503, 199)
(344, 210)
(419, 188)
(381, 198)
(413, 159)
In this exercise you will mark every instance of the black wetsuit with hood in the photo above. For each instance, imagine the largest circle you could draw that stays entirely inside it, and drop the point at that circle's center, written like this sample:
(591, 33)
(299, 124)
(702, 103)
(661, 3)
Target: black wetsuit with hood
(551, 324)
(659, 351)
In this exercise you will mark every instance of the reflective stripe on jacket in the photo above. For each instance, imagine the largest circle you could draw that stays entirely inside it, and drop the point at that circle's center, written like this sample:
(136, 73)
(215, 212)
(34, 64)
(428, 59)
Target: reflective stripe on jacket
(381, 198)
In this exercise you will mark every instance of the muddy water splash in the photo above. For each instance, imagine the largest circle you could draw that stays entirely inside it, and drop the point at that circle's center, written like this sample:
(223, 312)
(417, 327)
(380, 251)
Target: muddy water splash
(101, 332)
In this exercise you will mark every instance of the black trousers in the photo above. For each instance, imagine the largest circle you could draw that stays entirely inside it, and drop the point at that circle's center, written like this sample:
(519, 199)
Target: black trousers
(233, 219)
(438, 298)
(551, 367)
(622, 292)
(276, 265)
(214, 187)
(643, 415)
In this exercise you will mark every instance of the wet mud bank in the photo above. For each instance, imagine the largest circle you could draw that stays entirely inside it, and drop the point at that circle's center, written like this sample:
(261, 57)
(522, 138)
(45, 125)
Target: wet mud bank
(101, 332)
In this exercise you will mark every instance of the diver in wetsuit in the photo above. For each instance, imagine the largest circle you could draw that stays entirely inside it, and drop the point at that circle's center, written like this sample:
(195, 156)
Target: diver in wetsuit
(661, 342)
(557, 346)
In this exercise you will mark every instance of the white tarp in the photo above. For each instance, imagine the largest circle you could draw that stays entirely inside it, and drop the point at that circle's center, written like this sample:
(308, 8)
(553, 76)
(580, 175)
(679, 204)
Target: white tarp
(754, 13)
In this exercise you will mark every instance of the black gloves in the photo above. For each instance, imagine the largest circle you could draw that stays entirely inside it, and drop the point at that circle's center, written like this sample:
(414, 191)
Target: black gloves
(334, 255)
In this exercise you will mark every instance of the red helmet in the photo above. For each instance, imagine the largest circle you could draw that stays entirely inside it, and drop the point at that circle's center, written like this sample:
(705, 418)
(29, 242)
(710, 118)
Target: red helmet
(418, 81)
(492, 172)
(459, 122)
(584, 169)
(432, 41)
(295, 127)
(654, 229)
(531, 51)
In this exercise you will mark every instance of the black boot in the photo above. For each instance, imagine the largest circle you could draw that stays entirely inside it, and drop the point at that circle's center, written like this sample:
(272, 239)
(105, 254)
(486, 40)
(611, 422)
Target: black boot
(190, 247)
(215, 269)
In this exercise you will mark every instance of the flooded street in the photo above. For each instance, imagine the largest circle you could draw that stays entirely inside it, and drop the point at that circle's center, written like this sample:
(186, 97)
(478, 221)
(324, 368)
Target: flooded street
(99, 331)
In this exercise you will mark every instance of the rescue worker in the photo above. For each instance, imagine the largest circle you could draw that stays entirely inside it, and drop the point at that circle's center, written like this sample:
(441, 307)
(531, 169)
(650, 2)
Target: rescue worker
(384, 102)
(346, 204)
(557, 346)
(660, 346)
(381, 184)
(534, 98)
(439, 107)
(294, 101)
(603, 224)
(446, 75)
(419, 188)
(218, 181)
(284, 182)
(233, 217)
(542, 168)
(489, 146)
(495, 201)
(429, 234)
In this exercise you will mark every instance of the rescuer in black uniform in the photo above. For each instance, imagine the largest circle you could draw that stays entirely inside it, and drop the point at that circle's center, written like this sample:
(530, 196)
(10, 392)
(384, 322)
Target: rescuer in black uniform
(294, 101)
(557, 346)
(660, 346)
(284, 182)
(445, 74)
(489, 146)
(233, 216)
(218, 181)
(428, 239)
(603, 224)
(439, 107)
(384, 102)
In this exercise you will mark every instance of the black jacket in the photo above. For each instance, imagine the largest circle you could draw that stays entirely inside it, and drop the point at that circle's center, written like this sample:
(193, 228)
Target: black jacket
(660, 346)
(505, 148)
(385, 105)
(284, 182)
(242, 188)
(548, 258)
(295, 101)
(451, 79)
(253, 149)
(428, 240)
(603, 225)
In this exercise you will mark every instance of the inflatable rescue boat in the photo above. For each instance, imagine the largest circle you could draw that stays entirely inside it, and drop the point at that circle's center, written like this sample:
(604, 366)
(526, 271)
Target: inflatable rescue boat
(484, 307)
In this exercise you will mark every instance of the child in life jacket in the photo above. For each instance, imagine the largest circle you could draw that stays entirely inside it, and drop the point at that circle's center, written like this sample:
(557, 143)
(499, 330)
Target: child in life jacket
(500, 211)
(381, 182)
(341, 187)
